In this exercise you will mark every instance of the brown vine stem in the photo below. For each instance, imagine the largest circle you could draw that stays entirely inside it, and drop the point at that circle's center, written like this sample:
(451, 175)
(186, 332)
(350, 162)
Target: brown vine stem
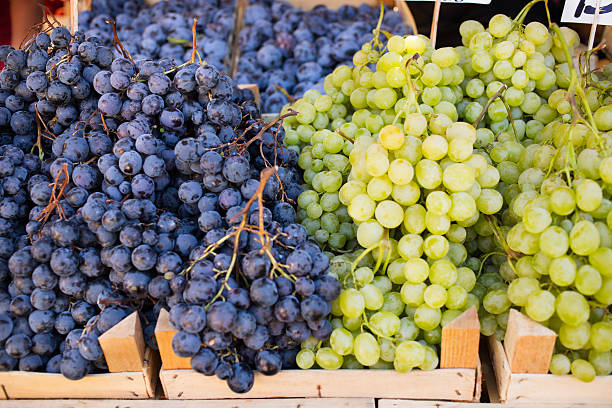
(497, 94)
(117, 41)
(59, 185)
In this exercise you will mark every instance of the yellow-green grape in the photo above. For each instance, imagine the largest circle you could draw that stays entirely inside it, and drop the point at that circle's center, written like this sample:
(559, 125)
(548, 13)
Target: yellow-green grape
(305, 358)
(328, 359)
(366, 349)
(400, 172)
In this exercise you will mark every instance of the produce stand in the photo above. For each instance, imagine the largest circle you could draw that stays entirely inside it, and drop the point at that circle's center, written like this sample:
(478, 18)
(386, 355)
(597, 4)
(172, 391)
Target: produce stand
(457, 380)
(526, 379)
(133, 371)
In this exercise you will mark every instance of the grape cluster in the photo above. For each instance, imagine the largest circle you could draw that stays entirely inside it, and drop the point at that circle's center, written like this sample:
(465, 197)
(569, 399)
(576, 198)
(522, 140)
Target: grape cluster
(164, 29)
(553, 169)
(285, 47)
(488, 159)
(129, 201)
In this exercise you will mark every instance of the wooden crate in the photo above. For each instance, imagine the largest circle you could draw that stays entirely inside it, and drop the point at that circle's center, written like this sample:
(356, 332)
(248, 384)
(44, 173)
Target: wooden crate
(133, 371)
(458, 379)
(521, 369)
(245, 403)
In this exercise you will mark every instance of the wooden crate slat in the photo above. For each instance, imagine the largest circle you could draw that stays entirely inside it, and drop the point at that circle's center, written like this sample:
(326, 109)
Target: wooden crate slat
(396, 403)
(529, 345)
(450, 384)
(21, 384)
(535, 388)
(124, 350)
(526, 388)
(245, 403)
(124, 345)
(460, 339)
(163, 334)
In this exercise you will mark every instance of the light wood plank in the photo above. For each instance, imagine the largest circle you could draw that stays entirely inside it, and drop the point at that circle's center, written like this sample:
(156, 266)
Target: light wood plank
(394, 403)
(460, 339)
(448, 384)
(245, 403)
(524, 388)
(529, 345)
(500, 367)
(20, 384)
(536, 388)
(163, 334)
(124, 345)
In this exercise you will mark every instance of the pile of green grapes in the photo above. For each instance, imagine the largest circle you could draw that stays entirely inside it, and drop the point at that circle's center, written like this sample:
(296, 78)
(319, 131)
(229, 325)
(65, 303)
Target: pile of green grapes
(476, 175)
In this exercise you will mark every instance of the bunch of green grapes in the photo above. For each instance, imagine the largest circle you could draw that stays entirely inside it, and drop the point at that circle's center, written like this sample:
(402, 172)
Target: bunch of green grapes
(415, 187)
(323, 134)
(324, 160)
(555, 225)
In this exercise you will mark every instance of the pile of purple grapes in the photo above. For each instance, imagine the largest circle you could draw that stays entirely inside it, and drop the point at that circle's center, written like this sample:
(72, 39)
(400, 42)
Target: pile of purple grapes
(136, 182)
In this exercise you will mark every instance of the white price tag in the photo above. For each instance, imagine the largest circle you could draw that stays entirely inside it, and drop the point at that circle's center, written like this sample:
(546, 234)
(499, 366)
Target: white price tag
(460, 1)
(583, 11)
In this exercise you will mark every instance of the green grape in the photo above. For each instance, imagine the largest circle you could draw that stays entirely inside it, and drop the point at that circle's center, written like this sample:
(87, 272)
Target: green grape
(434, 336)
(457, 177)
(536, 219)
(572, 308)
(540, 306)
(574, 337)
(408, 329)
(496, 302)
(391, 137)
(385, 323)
(588, 280)
(373, 298)
(521, 289)
(466, 278)
(407, 194)
(435, 296)
(488, 324)
(583, 370)
(341, 341)
(435, 246)
(588, 195)
(601, 336)
(352, 303)
(414, 219)
(434, 147)
(428, 174)
(601, 260)
(393, 303)
(562, 201)
(361, 208)
(379, 188)
(400, 171)
(559, 364)
(490, 201)
(366, 349)
(328, 359)
(457, 297)
(427, 318)
(412, 294)
(389, 214)
(305, 359)
(562, 271)
(410, 246)
(553, 241)
(416, 270)
(438, 203)
(351, 323)
(395, 272)
(601, 361)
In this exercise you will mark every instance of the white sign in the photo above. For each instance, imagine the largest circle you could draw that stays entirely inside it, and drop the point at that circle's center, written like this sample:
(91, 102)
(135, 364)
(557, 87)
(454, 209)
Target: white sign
(583, 11)
(460, 1)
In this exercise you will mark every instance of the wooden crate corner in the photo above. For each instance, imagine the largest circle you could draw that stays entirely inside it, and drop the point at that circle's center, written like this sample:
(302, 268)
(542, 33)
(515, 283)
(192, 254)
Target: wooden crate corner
(517, 382)
(134, 371)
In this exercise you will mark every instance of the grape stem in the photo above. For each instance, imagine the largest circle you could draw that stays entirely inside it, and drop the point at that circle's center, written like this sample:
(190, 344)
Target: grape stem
(497, 94)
